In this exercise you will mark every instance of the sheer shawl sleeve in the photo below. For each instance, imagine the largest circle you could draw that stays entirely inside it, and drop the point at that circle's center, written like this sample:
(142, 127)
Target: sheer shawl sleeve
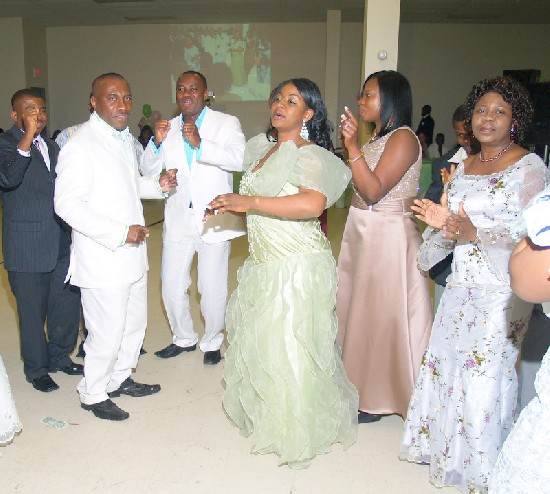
(255, 149)
(320, 170)
(497, 241)
(311, 167)
(434, 248)
(537, 219)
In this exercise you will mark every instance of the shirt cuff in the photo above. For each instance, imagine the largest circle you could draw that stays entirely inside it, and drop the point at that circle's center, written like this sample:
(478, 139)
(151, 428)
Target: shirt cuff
(26, 154)
(126, 229)
(159, 188)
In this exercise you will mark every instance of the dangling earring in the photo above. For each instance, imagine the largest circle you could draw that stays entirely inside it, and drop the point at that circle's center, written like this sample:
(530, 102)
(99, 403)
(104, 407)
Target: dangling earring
(513, 133)
(304, 133)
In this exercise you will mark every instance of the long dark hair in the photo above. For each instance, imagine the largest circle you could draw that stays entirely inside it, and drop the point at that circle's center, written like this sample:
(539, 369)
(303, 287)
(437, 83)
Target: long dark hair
(318, 126)
(395, 100)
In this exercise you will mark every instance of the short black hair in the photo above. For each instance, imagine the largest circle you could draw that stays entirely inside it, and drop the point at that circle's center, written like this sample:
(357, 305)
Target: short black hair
(22, 93)
(108, 75)
(513, 92)
(459, 114)
(395, 100)
(318, 126)
(198, 74)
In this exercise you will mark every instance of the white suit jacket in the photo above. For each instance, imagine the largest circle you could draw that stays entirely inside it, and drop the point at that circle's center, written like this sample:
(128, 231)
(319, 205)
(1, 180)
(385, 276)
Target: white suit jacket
(98, 190)
(222, 150)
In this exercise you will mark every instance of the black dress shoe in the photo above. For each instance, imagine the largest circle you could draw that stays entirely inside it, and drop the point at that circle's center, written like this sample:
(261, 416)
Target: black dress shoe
(368, 418)
(43, 383)
(142, 351)
(173, 350)
(106, 410)
(72, 369)
(212, 358)
(131, 388)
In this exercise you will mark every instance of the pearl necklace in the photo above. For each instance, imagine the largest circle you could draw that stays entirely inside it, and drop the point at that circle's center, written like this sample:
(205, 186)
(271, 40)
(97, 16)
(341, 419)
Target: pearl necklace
(501, 152)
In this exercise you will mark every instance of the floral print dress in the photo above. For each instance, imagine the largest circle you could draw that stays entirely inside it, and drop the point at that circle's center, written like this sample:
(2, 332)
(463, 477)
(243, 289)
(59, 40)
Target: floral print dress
(464, 401)
(523, 466)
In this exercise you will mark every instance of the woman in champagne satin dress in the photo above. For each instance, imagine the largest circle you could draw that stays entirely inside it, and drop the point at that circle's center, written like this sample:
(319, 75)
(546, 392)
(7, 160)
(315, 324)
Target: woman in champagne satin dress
(383, 302)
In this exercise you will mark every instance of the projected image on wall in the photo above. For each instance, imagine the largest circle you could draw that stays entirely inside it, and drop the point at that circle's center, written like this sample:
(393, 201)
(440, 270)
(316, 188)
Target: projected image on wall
(235, 59)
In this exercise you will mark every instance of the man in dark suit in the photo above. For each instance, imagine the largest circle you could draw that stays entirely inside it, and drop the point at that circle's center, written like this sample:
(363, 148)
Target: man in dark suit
(426, 125)
(36, 245)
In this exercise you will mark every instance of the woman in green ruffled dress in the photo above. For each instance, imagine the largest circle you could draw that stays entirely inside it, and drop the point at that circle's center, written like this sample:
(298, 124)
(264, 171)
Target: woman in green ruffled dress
(284, 377)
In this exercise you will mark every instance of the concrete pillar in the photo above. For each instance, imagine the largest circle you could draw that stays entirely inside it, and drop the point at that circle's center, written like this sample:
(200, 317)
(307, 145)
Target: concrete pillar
(380, 35)
(332, 68)
(380, 42)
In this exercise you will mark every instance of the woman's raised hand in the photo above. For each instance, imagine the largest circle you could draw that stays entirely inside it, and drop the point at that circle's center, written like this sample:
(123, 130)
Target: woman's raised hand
(348, 129)
(434, 215)
(460, 227)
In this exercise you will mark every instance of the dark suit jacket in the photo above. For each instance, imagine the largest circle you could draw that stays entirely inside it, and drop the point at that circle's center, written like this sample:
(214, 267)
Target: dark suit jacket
(434, 191)
(442, 269)
(32, 234)
(427, 125)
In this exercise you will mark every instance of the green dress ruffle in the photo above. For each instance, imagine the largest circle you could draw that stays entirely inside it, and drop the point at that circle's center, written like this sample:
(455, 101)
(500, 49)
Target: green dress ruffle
(284, 377)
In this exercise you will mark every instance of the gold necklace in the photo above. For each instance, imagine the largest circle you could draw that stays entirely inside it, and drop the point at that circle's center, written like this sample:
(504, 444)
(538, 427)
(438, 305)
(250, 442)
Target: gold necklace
(374, 138)
(501, 152)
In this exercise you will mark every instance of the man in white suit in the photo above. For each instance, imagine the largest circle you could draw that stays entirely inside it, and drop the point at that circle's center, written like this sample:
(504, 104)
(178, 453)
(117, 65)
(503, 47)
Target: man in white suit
(98, 190)
(205, 146)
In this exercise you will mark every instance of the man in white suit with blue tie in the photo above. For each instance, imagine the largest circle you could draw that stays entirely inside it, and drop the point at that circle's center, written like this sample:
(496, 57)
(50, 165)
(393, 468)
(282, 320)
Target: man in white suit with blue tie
(205, 146)
(98, 191)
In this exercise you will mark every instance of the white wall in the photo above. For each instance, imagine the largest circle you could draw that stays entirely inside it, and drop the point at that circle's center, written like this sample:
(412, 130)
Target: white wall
(36, 56)
(141, 54)
(12, 76)
(444, 61)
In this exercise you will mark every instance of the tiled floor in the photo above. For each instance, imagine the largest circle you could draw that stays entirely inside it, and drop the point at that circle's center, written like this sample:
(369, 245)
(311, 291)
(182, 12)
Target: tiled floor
(178, 441)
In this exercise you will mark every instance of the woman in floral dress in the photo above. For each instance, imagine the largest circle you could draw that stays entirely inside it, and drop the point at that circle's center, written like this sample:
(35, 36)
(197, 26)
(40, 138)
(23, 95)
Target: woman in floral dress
(464, 402)
(10, 424)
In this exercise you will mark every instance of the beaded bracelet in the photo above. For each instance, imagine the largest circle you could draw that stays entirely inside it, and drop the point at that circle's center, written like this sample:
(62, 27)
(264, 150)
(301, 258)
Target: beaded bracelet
(356, 158)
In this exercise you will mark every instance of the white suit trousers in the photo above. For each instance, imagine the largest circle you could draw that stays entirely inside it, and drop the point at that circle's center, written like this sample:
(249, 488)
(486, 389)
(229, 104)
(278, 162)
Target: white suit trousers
(212, 269)
(116, 319)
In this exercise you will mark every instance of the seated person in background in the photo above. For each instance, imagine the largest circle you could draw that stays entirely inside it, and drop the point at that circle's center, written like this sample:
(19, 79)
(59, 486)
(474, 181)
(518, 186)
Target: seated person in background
(145, 135)
(438, 148)
(423, 144)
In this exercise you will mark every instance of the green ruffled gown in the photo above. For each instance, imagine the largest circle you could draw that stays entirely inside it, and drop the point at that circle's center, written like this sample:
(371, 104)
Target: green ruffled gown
(284, 377)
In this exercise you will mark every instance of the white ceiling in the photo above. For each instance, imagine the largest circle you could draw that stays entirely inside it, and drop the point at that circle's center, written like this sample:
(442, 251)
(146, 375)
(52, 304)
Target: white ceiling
(120, 12)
